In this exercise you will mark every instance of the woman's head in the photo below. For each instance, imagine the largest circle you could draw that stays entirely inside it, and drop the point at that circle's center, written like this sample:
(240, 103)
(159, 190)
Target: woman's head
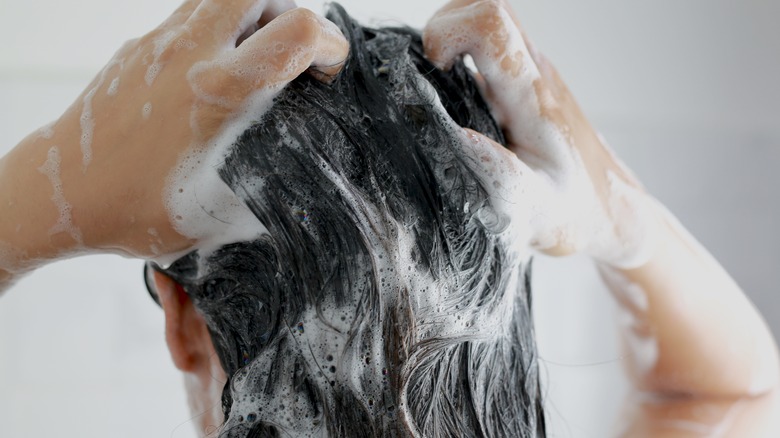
(385, 298)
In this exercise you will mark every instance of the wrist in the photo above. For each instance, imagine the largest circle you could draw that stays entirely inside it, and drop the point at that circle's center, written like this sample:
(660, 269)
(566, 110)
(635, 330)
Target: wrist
(33, 224)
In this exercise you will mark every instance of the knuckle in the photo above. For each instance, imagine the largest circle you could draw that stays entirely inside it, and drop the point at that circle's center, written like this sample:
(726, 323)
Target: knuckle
(210, 81)
(303, 14)
(432, 42)
(307, 26)
(128, 47)
(491, 9)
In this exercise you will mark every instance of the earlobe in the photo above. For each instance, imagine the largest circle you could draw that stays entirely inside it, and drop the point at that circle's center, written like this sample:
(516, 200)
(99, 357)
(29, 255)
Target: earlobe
(185, 330)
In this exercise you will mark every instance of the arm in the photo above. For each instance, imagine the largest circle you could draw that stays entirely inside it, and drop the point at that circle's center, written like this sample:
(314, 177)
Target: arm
(34, 226)
(699, 355)
(101, 177)
(699, 320)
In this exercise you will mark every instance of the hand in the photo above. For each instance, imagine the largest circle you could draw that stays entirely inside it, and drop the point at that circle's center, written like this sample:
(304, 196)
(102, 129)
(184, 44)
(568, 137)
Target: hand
(693, 343)
(143, 130)
(586, 200)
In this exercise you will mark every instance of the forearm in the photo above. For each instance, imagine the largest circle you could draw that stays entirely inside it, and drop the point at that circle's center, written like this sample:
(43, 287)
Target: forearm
(34, 222)
(688, 328)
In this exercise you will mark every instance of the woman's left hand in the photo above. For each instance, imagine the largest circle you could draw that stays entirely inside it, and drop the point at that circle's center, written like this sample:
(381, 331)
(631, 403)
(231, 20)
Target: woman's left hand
(586, 200)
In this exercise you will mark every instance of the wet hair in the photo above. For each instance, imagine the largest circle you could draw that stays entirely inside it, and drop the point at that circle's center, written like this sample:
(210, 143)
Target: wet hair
(384, 299)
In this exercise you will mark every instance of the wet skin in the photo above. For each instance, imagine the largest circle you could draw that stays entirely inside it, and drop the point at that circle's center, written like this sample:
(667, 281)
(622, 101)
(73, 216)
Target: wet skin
(712, 369)
(713, 366)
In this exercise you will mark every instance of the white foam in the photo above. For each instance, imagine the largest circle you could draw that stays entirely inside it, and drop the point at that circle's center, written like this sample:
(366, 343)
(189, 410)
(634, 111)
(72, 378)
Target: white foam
(113, 87)
(633, 305)
(643, 346)
(628, 293)
(195, 187)
(516, 104)
(161, 44)
(325, 334)
(184, 43)
(548, 149)
(87, 126)
(51, 168)
(200, 205)
(47, 131)
(146, 111)
(634, 232)
(86, 121)
(316, 342)
(155, 242)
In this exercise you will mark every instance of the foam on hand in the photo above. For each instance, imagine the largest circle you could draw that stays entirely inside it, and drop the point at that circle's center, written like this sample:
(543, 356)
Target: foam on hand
(161, 44)
(569, 208)
(633, 306)
(113, 87)
(200, 205)
(47, 131)
(146, 111)
(51, 168)
(86, 119)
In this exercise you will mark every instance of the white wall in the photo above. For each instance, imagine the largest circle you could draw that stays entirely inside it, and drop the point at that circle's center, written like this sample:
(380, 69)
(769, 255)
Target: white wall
(685, 91)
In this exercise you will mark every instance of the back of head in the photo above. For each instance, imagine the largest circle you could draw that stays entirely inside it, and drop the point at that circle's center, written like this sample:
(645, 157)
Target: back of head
(385, 299)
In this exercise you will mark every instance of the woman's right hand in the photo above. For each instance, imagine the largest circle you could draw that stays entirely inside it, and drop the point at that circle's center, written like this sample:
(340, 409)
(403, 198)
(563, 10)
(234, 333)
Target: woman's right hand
(702, 360)
(102, 170)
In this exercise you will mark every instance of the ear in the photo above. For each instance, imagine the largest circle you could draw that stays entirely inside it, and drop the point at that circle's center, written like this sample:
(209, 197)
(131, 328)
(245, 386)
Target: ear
(185, 329)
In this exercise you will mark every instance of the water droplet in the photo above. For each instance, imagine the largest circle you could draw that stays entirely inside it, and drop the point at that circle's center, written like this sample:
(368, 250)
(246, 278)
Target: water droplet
(302, 216)
(251, 417)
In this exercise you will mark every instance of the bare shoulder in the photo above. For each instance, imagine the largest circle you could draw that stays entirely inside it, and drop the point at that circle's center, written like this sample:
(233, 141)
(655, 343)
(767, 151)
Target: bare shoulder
(726, 417)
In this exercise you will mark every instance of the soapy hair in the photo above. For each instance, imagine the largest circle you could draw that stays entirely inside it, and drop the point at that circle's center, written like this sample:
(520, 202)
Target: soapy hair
(383, 301)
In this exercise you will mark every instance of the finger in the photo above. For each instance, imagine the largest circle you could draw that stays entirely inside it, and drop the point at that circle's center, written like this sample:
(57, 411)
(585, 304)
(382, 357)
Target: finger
(485, 9)
(486, 31)
(275, 9)
(292, 43)
(492, 158)
(481, 28)
(514, 189)
(224, 21)
(455, 4)
(272, 57)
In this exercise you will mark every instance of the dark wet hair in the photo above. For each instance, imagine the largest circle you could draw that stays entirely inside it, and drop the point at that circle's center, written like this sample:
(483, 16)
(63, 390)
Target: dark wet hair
(384, 300)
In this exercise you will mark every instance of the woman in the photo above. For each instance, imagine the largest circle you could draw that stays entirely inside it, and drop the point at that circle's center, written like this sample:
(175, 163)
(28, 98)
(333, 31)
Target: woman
(582, 199)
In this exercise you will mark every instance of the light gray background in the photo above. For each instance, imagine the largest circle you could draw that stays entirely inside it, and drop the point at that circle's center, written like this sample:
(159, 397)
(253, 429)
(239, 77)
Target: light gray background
(685, 91)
